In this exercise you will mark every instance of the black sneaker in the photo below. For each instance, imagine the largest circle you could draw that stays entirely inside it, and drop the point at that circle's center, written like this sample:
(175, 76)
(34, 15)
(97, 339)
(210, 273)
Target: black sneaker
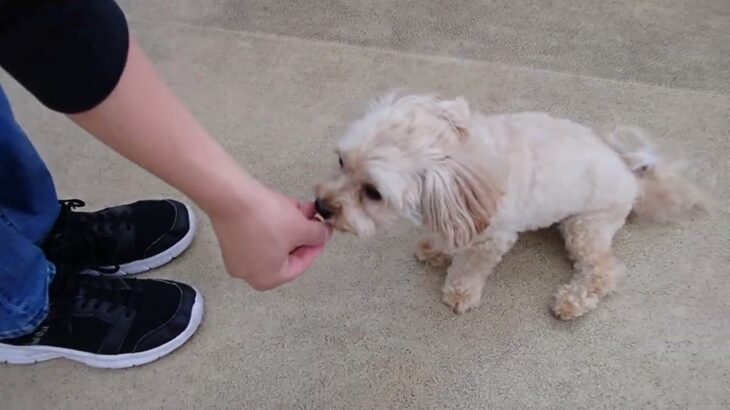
(122, 240)
(109, 322)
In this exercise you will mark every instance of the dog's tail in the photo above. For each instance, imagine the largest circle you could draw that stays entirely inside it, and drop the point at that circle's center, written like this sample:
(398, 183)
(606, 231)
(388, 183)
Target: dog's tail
(666, 193)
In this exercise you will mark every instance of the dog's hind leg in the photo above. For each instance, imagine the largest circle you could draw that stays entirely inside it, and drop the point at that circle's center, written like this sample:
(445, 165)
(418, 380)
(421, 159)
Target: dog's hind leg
(589, 239)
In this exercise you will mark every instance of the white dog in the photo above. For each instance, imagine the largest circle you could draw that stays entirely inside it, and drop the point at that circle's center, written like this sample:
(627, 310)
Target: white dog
(477, 181)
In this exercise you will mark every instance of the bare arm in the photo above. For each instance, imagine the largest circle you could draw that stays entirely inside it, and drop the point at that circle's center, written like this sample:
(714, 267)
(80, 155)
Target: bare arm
(143, 121)
(265, 238)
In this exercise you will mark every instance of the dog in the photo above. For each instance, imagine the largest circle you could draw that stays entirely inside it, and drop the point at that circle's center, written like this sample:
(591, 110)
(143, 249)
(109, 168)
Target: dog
(475, 182)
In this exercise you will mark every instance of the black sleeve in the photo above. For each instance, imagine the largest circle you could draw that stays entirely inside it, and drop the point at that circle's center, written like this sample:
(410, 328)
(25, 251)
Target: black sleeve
(69, 54)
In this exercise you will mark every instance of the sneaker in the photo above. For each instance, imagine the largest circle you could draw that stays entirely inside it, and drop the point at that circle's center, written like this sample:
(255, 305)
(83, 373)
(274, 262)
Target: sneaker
(109, 322)
(122, 240)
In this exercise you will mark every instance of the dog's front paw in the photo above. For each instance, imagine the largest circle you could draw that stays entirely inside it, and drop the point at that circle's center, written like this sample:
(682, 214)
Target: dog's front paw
(573, 300)
(461, 300)
(426, 253)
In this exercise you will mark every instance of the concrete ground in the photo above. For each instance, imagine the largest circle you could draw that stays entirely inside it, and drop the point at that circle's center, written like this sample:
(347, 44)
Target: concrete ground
(277, 81)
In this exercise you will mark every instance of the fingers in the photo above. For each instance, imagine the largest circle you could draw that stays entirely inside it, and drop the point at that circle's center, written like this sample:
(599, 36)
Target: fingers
(300, 260)
(309, 232)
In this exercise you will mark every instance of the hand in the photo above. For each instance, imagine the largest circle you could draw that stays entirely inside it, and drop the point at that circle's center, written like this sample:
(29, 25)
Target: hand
(271, 240)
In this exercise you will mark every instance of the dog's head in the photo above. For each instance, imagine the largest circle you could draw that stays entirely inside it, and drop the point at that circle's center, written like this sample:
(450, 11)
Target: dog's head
(411, 157)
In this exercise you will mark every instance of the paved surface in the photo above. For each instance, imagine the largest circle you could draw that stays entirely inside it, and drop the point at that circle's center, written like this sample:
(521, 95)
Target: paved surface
(277, 81)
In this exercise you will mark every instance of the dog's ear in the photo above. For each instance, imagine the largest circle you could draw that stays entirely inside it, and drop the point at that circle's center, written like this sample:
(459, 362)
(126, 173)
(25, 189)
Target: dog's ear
(458, 114)
(458, 199)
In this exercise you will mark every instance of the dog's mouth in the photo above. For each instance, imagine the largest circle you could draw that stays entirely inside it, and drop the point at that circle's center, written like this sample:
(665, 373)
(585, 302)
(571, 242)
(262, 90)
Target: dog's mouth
(329, 222)
(336, 223)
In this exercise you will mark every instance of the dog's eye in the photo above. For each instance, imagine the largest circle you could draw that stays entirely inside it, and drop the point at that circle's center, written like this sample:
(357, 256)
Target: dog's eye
(342, 164)
(371, 192)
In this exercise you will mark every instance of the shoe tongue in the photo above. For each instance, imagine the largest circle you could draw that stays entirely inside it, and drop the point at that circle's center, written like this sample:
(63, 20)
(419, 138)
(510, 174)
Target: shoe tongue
(76, 241)
(64, 230)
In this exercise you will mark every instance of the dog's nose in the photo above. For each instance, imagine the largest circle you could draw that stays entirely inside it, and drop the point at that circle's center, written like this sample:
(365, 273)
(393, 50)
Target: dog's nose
(322, 209)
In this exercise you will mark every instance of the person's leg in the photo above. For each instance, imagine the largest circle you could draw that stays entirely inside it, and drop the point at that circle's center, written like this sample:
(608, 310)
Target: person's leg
(48, 309)
(28, 200)
(28, 210)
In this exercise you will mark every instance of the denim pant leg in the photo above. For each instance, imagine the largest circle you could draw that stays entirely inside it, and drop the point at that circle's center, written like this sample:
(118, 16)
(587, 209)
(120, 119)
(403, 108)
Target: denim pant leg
(28, 209)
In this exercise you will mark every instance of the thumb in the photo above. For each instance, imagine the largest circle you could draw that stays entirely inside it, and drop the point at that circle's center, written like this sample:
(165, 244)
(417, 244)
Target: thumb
(312, 233)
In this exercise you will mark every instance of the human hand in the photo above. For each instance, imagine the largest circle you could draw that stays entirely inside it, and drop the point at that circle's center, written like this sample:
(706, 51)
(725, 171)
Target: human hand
(270, 240)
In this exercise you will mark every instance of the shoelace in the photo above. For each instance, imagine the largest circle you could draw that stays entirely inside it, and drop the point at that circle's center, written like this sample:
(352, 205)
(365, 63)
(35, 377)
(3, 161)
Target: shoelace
(73, 293)
(91, 234)
(97, 291)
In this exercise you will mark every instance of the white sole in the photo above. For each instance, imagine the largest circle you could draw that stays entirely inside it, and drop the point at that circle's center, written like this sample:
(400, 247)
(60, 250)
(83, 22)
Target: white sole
(162, 258)
(34, 354)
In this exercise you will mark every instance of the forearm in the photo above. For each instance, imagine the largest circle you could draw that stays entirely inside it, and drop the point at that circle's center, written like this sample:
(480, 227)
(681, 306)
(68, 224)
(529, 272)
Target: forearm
(142, 120)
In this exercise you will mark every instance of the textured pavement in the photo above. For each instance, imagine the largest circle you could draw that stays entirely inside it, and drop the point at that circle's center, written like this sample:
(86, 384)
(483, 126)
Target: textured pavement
(276, 82)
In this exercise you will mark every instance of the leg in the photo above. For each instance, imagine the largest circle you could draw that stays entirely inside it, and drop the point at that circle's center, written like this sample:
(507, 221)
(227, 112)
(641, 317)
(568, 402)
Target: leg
(468, 273)
(28, 209)
(588, 238)
(25, 276)
(428, 252)
(27, 195)
(100, 321)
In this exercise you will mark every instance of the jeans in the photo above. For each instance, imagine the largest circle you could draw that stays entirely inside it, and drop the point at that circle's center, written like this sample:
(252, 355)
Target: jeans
(28, 209)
